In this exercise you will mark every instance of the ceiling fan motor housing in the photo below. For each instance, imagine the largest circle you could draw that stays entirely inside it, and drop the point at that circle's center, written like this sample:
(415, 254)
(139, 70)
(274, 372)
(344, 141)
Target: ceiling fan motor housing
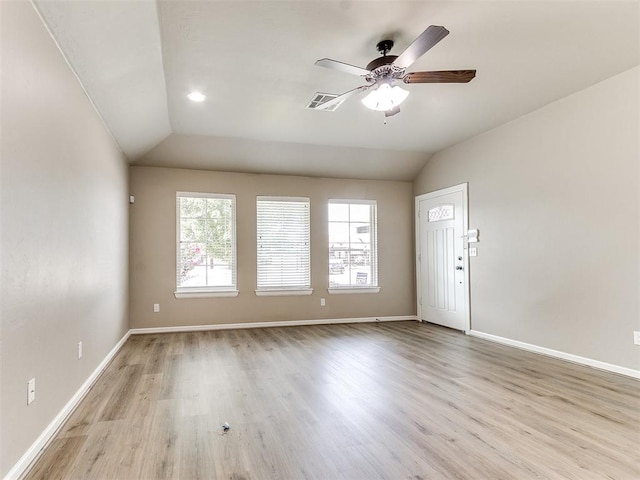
(380, 61)
(382, 70)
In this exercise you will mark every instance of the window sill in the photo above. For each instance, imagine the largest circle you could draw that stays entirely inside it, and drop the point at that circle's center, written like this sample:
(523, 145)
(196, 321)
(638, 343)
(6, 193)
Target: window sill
(353, 290)
(284, 292)
(205, 293)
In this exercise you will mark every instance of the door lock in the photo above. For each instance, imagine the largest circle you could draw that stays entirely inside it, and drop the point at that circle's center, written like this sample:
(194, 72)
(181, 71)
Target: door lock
(459, 267)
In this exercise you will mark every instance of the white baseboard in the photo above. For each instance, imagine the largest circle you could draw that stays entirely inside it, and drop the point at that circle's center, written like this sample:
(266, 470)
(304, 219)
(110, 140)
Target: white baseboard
(290, 323)
(34, 451)
(629, 372)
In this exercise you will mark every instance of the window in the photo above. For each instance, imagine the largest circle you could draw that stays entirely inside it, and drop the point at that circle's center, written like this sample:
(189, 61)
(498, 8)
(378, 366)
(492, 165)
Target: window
(353, 245)
(283, 246)
(206, 246)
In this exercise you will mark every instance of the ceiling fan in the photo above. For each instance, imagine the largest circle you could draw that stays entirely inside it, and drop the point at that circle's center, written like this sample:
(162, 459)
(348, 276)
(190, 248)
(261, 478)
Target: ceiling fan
(382, 72)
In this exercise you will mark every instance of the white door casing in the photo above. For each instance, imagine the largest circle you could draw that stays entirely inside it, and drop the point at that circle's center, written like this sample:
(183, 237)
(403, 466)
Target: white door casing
(441, 257)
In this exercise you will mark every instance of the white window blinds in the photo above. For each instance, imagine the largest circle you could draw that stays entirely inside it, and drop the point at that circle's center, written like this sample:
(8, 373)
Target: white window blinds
(283, 243)
(353, 244)
(206, 243)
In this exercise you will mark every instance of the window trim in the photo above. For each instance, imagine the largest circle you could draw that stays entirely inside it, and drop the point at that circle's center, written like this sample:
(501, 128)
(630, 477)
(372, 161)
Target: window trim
(196, 292)
(209, 291)
(281, 291)
(358, 289)
(352, 290)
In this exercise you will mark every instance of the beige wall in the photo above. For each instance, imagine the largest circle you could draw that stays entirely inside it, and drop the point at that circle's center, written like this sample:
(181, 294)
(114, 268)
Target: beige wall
(555, 195)
(64, 232)
(153, 249)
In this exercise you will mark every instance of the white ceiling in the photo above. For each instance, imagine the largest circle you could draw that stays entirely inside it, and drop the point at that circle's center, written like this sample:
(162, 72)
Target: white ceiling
(255, 62)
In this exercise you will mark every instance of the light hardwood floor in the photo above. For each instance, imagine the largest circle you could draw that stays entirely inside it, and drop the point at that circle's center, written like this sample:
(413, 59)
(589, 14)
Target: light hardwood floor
(365, 401)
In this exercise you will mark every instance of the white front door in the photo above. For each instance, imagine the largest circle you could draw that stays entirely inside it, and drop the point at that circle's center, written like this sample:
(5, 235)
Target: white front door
(442, 257)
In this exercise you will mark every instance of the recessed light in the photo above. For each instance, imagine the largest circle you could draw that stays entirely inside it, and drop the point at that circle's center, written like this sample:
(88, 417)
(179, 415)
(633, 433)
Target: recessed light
(196, 97)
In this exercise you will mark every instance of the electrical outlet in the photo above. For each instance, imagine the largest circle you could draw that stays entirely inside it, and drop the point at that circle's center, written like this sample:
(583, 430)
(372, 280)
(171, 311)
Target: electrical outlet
(31, 391)
(323, 302)
(473, 251)
(79, 350)
(156, 307)
(636, 337)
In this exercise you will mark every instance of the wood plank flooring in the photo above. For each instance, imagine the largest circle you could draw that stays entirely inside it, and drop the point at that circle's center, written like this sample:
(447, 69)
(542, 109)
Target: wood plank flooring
(398, 400)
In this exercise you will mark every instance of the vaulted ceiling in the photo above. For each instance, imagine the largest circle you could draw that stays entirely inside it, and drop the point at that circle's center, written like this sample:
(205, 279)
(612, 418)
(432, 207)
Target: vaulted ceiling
(254, 60)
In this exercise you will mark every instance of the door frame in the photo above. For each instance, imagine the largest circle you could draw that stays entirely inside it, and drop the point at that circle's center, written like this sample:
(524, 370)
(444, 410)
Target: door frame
(464, 188)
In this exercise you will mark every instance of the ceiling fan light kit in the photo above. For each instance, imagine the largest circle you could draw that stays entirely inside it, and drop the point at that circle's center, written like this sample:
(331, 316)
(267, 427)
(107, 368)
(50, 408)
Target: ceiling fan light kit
(382, 72)
(385, 98)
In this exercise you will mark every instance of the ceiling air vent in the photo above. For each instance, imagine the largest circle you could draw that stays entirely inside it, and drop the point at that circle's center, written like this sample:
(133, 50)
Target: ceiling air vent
(320, 98)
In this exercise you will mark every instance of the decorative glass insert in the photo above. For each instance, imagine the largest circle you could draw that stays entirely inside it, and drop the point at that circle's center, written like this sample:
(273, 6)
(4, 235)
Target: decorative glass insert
(441, 212)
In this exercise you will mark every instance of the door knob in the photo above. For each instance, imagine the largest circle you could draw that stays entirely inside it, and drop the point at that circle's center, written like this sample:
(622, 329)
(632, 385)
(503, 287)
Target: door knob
(458, 267)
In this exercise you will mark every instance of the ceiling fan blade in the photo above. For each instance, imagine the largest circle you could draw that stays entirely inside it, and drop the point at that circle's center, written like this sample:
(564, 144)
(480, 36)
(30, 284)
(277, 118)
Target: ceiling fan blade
(341, 98)
(421, 45)
(342, 67)
(445, 76)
